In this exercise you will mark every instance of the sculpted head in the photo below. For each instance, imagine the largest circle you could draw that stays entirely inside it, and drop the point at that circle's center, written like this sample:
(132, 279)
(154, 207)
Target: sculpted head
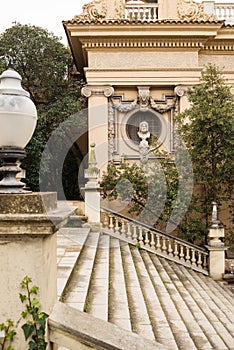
(144, 127)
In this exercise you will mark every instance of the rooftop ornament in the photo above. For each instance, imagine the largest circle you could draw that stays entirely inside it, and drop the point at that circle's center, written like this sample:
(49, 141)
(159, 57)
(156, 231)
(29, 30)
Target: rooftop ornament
(18, 118)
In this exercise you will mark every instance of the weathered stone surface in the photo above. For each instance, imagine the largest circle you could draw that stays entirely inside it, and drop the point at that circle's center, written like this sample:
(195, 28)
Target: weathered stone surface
(28, 203)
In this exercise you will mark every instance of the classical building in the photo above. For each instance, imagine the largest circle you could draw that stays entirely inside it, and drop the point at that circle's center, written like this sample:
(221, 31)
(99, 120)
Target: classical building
(138, 58)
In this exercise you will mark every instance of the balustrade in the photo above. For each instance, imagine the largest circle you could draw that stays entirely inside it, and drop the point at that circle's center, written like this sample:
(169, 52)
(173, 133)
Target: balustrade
(149, 12)
(142, 12)
(225, 11)
(155, 240)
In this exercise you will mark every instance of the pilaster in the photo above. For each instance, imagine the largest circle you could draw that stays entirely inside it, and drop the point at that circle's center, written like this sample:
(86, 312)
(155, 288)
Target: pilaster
(98, 98)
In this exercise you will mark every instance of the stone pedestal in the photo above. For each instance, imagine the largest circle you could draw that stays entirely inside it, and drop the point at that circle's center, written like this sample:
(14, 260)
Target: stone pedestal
(216, 250)
(28, 247)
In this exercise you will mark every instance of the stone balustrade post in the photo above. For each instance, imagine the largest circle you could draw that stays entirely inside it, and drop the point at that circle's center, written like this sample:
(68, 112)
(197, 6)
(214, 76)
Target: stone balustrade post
(28, 247)
(92, 190)
(216, 247)
(209, 7)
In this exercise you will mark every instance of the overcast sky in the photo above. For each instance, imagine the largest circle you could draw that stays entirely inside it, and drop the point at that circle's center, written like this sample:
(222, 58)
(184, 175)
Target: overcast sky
(47, 14)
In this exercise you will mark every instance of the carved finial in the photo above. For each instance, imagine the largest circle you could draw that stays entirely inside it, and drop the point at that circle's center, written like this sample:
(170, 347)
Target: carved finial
(92, 155)
(92, 173)
(214, 218)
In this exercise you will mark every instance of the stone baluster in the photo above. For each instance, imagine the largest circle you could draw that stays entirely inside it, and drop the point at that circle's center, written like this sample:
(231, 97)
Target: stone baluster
(147, 241)
(134, 236)
(199, 260)
(111, 223)
(140, 236)
(117, 227)
(170, 250)
(176, 252)
(182, 253)
(129, 233)
(105, 220)
(188, 257)
(123, 228)
(152, 241)
(164, 246)
(158, 243)
(193, 258)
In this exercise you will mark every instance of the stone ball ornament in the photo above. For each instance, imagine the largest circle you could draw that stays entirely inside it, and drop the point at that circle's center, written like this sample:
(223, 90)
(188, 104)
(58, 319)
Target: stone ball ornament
(18, 119)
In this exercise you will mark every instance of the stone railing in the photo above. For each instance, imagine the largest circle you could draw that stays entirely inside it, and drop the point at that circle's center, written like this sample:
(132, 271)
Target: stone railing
(163, 244)
(141, 12)
(225, 11)
(74, 329)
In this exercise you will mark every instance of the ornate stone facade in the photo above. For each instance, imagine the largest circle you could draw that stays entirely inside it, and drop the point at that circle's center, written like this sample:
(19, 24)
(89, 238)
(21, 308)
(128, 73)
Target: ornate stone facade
(95, 10)
(190, 10)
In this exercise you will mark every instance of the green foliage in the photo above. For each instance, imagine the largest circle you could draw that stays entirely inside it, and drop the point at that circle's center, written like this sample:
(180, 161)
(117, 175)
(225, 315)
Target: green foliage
(9, 334)
(208, 131)
(46, 66)
(34, 328)
(149, 191)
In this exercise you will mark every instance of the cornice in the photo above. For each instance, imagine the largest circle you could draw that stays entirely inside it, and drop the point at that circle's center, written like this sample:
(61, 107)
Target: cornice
(102, 43)
(226, 46)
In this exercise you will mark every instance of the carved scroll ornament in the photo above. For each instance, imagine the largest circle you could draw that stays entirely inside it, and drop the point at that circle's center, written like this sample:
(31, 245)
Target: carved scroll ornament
(190, 10)
(96, 9)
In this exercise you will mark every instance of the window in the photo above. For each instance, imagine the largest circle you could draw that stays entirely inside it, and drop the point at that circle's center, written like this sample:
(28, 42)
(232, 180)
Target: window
(132, 126)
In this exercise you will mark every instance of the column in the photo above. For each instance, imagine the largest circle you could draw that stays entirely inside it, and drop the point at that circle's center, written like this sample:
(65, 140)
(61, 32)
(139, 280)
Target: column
(181, 92)
(98, 119)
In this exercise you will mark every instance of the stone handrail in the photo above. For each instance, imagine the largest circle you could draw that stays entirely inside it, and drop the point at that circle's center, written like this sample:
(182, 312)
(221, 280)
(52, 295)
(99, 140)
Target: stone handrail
(225, 11)
(74, 329)
(141, 12)
(149, 238)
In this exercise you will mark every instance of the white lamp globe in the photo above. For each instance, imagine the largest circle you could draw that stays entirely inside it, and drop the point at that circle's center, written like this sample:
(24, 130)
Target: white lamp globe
(18, 114)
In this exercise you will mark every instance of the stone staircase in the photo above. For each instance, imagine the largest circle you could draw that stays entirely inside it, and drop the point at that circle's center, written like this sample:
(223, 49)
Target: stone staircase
(143, 293)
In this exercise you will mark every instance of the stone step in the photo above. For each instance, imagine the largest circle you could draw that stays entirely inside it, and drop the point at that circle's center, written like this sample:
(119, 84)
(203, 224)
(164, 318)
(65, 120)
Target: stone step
(141, 323)
(161, 328)
(160, 280)
(77, 290)
(120, 315)
(204, 315)
(183, 303)
(218, 311)
(69, 244)
(97, 298)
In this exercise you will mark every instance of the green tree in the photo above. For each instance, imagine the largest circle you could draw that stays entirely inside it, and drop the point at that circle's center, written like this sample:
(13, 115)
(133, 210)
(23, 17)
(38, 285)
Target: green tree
(208, 130)
(46, 66)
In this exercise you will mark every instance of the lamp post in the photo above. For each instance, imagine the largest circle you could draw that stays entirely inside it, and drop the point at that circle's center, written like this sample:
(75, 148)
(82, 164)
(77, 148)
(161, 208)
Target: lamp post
(18, 118)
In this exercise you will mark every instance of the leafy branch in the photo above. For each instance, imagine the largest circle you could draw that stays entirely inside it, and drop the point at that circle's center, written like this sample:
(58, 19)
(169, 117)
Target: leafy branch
(9, 334)
(34, 328)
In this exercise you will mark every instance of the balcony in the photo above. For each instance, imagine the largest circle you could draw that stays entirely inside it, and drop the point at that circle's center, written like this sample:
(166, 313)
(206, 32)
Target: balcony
(137, 10)
(140, 11)
(225, 11)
